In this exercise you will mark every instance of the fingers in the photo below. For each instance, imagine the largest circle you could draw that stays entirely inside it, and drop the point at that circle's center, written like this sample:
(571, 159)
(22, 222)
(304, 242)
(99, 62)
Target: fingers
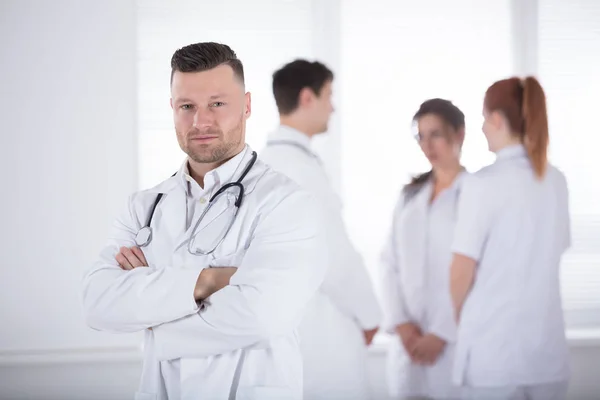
(140, 255)
(422, 352)
(128, 260)
(123, 262)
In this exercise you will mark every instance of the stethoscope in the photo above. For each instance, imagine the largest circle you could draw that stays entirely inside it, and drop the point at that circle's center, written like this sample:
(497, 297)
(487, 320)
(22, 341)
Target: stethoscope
(144, 234)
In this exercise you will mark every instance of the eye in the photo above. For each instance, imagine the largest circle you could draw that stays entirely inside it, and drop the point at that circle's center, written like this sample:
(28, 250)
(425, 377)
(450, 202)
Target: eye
(186, 106)
(217, 104)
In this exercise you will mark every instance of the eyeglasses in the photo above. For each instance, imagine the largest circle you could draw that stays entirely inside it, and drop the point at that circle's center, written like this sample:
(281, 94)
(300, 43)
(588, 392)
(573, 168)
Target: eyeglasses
(437, 135)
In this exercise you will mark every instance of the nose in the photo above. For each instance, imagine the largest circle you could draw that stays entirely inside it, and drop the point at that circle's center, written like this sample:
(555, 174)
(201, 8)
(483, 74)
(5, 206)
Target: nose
(203, 118)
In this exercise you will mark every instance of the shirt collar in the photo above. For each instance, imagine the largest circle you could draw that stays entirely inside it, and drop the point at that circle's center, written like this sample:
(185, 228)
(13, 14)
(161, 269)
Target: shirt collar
(290, 134)
(512, 151)
(216, 177)
(455, 185)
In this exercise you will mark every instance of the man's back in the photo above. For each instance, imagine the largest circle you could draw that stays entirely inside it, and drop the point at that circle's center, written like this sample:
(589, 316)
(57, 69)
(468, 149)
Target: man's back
(346, 304)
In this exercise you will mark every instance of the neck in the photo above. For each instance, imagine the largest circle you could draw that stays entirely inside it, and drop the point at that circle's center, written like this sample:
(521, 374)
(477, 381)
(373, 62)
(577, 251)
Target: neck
(446, 175)
(297, 123)
(511, 140)
(199, 170)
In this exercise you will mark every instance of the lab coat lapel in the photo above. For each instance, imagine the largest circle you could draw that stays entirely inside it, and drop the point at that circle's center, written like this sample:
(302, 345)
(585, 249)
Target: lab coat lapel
(420, 206)
(173, 213)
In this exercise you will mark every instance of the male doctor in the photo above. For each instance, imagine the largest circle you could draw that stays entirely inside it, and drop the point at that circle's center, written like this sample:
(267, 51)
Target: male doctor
(210, 332)
(343, 317)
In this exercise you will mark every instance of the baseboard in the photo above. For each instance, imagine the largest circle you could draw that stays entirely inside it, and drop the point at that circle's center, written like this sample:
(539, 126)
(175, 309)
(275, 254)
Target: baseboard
(119, 354)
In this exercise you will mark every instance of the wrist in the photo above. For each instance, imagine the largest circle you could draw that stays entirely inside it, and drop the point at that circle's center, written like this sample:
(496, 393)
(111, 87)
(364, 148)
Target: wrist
(204, 284)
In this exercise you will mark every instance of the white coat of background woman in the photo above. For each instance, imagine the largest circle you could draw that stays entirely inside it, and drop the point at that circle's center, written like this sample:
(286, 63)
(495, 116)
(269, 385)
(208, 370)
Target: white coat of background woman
(415, 273)
(512, 229)
(344, 315)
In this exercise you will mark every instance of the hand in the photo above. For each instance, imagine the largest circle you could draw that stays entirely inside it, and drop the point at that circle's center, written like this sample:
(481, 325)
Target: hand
(428, 349)
(211, 280)
(369, 335)
(130, 258)
(409, 335)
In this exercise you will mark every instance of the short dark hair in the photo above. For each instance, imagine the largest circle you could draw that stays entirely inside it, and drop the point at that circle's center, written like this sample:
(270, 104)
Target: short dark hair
(295, 76)
(204, 56)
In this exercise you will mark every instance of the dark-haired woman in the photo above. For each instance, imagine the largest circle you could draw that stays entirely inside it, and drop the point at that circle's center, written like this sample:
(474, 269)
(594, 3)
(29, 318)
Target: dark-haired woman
(415, 273)
(511, 231)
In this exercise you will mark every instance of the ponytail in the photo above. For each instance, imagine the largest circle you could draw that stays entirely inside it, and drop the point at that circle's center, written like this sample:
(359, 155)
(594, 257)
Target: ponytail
(415, 185)
(535, 119)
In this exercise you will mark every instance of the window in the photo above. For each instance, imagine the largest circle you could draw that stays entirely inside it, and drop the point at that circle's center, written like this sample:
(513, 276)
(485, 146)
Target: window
(395, 56)
(388, 57)
(569, 61)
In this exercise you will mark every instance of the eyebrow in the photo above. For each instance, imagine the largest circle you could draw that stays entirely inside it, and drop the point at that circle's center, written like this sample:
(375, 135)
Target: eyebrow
(187, 100)
(182, 100)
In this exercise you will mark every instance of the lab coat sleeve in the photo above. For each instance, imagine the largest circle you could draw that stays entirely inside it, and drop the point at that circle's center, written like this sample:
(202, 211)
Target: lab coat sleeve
(474, 218)
(280, 272)
(394, 304)
(127, 301)
(347, 283)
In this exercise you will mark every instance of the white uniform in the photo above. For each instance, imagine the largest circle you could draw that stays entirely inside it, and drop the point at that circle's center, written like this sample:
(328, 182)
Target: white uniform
(415, 282)
(332, 342)
(242, 342)
(511, 334)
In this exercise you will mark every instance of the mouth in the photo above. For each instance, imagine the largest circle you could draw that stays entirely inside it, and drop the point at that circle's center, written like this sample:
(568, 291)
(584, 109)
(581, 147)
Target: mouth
(203, 139)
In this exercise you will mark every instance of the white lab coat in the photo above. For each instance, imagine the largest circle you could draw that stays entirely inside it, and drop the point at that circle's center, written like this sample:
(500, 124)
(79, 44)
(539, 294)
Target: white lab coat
(331, 335)
(242, 342)
(415, 283)
(516, 227)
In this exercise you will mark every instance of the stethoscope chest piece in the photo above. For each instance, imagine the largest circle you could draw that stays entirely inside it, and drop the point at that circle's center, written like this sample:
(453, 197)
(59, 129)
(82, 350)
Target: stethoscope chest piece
(144, 236)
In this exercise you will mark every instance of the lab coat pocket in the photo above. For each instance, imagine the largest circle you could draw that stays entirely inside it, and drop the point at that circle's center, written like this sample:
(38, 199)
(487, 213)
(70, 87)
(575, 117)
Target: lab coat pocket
(265, 393)
(145, 396)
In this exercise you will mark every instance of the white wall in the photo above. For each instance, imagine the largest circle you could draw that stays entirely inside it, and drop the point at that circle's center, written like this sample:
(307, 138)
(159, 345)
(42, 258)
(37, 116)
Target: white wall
(69, 159)
(68, 140)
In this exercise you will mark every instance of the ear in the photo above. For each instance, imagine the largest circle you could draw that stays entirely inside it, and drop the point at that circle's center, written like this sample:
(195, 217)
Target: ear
(305, 97)
(171, 102)
(497, 119)
(248, 105)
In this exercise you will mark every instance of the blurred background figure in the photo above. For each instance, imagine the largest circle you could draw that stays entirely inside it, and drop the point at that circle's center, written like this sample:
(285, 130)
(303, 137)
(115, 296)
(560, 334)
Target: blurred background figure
(344, 316)
(414, 266)
(512, 229)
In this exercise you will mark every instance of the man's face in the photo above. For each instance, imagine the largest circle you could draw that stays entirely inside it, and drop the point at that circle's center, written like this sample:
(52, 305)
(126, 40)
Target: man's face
(322, 108)
(210, 110)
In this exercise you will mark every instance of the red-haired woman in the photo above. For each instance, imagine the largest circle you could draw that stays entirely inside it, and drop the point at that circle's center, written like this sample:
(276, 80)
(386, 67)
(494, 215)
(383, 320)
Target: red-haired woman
(512, 229)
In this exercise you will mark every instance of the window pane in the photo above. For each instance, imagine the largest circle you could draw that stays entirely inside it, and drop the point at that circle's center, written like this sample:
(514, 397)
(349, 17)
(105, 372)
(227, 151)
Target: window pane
(569, 51)
(396, 54)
